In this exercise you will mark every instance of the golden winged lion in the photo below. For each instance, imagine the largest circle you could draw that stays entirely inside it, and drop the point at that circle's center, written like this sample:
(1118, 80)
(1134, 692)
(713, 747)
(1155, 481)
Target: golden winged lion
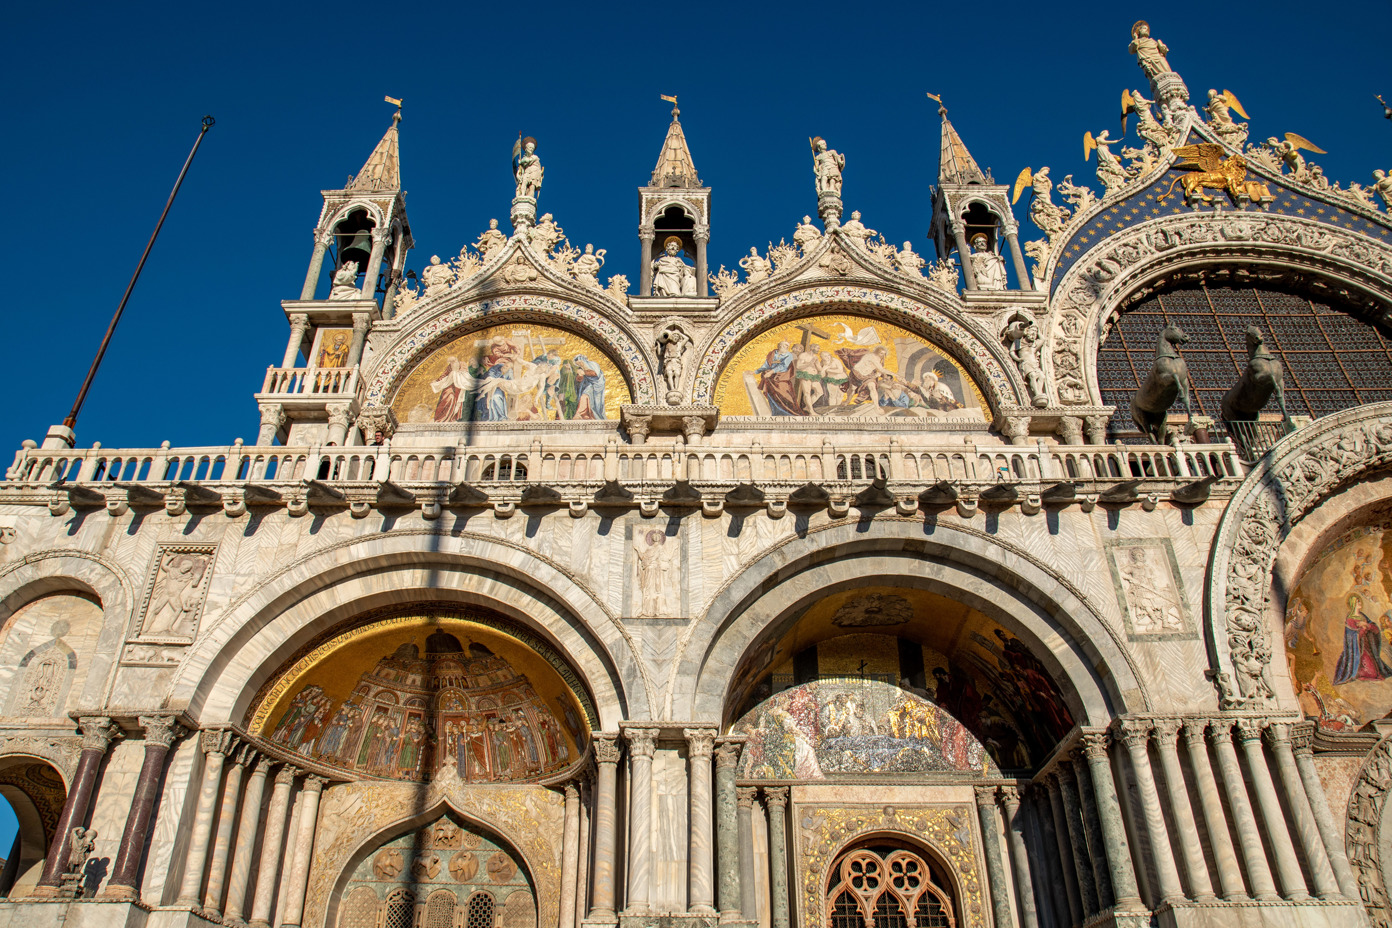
(1210, 171)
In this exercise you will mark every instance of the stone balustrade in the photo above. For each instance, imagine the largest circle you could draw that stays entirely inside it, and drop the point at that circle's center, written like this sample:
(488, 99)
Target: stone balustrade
(285, 382)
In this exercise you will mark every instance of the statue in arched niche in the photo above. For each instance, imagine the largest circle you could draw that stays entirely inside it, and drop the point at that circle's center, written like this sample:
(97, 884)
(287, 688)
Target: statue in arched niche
(671, 275)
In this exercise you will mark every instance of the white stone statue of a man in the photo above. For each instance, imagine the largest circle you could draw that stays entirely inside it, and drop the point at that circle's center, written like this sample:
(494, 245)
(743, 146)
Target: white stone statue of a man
(806, 234)
(490, 242)
(1150, 53)
(1383, 186)
(755, 267)
(586, 267)
(671, 275)
(527, 169)
(436, 276)
(673, 343)
(854, 228)
(988, 266)
(345, 282)
(545, 234)
(908, 261)
(827, 164)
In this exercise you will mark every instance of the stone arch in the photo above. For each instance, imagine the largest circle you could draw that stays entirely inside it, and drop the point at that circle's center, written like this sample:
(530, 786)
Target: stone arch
(937, 321)
(1339, 262)
(70, 571)
(918, 846)
(374, 212)
(413, 346)
(36, 790)
(1080, 650)
(1303, 469)
(335, 866)
(259, 632)
(1368, 830)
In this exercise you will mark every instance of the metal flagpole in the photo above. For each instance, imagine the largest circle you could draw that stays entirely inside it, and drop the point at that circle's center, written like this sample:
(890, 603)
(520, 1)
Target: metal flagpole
(71, 420)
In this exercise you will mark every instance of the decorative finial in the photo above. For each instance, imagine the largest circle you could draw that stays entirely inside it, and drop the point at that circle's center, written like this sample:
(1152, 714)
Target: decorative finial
(672, 100)
(942, 110)
(396, 102)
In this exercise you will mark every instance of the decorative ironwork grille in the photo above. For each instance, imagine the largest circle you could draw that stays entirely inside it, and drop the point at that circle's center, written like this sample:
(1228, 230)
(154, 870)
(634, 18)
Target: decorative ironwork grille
(1332, 360)
(878, 887)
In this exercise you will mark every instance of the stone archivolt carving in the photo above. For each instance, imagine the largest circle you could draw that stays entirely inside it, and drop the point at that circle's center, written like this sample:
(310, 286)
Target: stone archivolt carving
(1365, 813)
(1095, 286)
(1285, 485)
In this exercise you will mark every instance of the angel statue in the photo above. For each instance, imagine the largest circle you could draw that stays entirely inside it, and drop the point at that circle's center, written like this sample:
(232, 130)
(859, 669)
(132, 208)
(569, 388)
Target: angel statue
(1048, 216)
(526, 167)
(1220, 119)
(1110, 174)
(1288, 150)
(1148, 127)
(1150, 53)
(586, 267)
(1383, 186)
(755, 267)
(827, 164)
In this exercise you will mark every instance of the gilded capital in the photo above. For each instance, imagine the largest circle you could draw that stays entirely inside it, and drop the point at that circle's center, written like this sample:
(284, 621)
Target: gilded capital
(160, 730)
(642, 742)
(699, 741)
(98, 732)
(606, 748)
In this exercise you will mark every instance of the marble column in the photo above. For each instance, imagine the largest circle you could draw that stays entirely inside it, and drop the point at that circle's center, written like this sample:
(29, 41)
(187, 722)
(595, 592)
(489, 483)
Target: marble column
(355, 350)
(744, 801)
(1195, 867)
(1096, 846)
(1012, 238)
(1321, 873)
(642, 742)
(160, 732)
(1019, 857)
(1215, 821)
(222, 838)
(1127, 898)
(605, 827)
(97, 734)
(1330, 832)
(776, 798)
(1077, 837)
(701, 849)
(380, 239)
(570, 854)
(646, 234)
(215, 745)
(1248, 837)
(995, 864)
(299, 324)
(316, 265)
(582, 871)
(267, 875)
(702, 236)
(304, 852)
(1052, 808)
(1135, 734)
(959, 235)
(246, 841)
(1287, 864)
(727, 845)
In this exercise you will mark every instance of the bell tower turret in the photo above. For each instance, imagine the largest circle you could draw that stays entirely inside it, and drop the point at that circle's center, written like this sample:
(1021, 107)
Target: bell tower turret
(674, 220)
(972, 215)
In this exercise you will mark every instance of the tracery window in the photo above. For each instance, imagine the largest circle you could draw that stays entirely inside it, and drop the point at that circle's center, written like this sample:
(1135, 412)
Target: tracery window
(881, 887)
(1332, 359)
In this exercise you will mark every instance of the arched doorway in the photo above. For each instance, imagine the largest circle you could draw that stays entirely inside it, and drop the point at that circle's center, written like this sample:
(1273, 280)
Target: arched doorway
(36, 793)
(886, 883)
(447, 874)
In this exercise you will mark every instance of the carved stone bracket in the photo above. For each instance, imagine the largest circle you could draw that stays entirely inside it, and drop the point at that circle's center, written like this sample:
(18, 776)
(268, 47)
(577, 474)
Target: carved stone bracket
(691, 421)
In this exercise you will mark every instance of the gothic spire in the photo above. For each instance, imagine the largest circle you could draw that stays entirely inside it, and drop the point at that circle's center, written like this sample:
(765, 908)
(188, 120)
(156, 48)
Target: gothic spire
(383, 168)
(674, 165)
(956, 165)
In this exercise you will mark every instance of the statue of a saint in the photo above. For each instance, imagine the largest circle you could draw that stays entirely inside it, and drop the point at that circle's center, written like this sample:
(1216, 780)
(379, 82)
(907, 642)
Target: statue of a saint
(673, 344)
(827, 164)
(806, 234)
(671, 275)
(1150, 53)
(1023, 339)
(988, 266)
(586, 267)
(546, 234)
(436, 276)
(345, 282)
(854, 228)
(907, 261)
(1383, 186)
(755, 267)
(490, 242)
(526, 168)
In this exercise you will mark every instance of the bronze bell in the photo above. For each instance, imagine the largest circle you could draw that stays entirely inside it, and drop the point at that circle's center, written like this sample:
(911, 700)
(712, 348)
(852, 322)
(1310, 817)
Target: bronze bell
(359, 249)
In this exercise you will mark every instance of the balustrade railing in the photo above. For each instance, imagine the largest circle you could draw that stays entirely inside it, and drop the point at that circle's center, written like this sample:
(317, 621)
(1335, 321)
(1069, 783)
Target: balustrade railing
(311, 381)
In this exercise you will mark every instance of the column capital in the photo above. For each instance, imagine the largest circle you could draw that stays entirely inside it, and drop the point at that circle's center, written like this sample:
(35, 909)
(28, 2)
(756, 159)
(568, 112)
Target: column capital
(286, 774)
(985, 795)
(958, 227)
(361, 321)
(775, 796)
(1278, 735)
(314, 783)
(727, 754)
(338, 413)
(299, 320)
(323, 237)
(263, 766)
(160, 729)
(1010, 798)
(572, 792)
(98, 732)
(744, 796)
(1249, 730)
(217, 741)
(1194, 730)
(699, 741)
(1167, 731)
(1095, 744)
(1135, 733)
(1303, 738)
(1010, 226)
(1220, 731)
(642, 742)
(606, 748)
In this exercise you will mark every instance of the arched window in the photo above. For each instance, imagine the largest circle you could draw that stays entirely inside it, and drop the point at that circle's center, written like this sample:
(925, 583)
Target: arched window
(480, 912)
(439, 909)
(400, 910)
(878, 887)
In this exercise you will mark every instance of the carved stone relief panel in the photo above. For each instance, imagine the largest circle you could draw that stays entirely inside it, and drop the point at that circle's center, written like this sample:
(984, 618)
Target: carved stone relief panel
(1145, 574)
(174, 597)
(655, 587)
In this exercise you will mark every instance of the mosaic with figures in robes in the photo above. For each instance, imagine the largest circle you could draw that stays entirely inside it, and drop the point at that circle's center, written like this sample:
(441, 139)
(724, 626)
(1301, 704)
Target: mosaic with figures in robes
(846, 366)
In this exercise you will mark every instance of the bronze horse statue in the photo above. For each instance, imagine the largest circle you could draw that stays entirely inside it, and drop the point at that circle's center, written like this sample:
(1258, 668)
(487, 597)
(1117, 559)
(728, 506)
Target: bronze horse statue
(1262, 380)
(1168, 380)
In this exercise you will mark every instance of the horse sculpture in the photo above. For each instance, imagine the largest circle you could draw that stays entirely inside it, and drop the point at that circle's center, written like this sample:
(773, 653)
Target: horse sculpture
(1262, 379)
(1168, 380)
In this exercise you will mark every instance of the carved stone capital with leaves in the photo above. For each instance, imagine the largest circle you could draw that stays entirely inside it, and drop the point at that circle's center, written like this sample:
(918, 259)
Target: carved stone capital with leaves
(606, 748)
(160, 729)
(699, 741)
(97, 732)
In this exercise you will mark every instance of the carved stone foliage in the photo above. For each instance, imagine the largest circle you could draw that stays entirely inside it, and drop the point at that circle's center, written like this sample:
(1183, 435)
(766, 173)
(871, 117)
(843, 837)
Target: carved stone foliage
(1292, 479)
(1095, 286)
(177, 589)
(401, 358)
(1366, 808)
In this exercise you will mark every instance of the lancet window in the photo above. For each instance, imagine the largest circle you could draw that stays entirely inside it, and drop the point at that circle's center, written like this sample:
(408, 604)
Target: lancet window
(881, 887)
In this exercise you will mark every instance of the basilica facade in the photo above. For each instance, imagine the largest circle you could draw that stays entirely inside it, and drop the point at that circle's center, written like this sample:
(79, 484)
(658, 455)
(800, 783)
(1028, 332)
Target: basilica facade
(1042, 579)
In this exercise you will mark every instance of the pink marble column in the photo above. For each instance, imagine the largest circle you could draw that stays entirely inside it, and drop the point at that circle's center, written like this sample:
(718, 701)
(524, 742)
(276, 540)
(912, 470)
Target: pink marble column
(222, 839)
(160, 732)
(97, 734)
(605, 828)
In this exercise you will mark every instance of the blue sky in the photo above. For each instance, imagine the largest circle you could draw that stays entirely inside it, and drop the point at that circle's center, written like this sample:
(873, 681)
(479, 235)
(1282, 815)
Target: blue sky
(107, 98)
